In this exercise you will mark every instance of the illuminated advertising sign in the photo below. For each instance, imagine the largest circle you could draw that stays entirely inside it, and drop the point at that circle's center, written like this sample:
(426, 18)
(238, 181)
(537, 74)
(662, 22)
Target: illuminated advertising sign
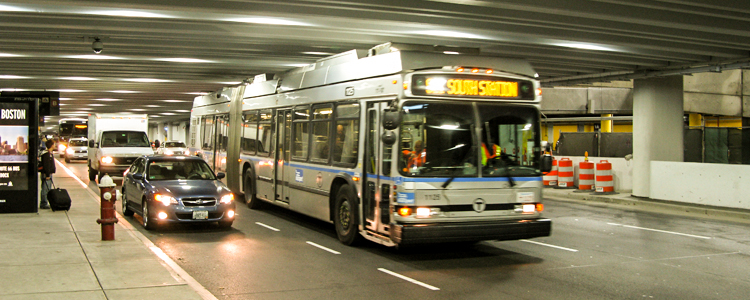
(18, 150)
(488, 87)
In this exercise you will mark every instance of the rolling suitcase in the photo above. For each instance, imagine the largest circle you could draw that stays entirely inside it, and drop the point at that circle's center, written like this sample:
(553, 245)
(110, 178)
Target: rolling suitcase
(58, 198)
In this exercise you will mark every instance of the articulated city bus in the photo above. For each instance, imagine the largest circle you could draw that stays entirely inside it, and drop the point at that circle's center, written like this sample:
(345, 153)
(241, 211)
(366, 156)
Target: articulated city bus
(397, 146)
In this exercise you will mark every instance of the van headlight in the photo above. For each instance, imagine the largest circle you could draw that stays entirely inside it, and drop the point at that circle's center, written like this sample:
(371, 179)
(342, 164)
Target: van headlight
(226, 199)
(107, 160)
(70, 151)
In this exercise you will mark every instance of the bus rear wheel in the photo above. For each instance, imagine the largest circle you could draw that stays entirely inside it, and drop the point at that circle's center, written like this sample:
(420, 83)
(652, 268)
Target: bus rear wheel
(346, 216)
(252, 201)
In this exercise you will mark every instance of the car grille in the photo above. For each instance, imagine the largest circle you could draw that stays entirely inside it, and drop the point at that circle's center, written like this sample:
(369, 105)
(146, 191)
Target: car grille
(81, 151)
(178, 152)
(199, 201)
(123, 160)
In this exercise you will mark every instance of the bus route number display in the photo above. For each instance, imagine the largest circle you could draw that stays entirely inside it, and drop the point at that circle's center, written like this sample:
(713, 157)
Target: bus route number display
(471, 86)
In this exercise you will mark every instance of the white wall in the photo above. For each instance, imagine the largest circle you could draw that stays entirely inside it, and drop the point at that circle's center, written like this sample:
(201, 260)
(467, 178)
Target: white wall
(622, 170)
(700, 183)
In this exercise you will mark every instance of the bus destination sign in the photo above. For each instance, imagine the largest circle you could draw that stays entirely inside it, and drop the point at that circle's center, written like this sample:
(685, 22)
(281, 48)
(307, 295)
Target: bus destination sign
(471, 86)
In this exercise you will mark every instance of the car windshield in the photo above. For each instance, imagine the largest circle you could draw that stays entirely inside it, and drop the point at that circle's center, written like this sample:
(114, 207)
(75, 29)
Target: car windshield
(179, 169)
(174, 145)
(438, 139)
(77, 143)
(125, 139)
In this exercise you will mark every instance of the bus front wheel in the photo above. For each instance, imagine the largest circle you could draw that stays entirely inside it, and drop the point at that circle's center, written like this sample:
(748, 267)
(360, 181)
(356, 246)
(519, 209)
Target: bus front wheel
(346, 216)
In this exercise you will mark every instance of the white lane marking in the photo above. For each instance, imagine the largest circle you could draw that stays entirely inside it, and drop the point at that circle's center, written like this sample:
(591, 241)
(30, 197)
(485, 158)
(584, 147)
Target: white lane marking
(71, 174)
(408, 279)
(324, 248)
(662, 231)
(266, 226)
(548, 245)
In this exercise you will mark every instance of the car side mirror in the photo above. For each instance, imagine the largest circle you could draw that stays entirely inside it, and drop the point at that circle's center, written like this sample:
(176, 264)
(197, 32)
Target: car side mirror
(138, 176)
(546, 163)
(91, 144)
(221, 175)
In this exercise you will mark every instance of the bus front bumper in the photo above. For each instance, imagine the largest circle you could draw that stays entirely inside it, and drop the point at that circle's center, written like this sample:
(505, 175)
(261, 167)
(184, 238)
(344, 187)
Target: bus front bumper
(404, 234)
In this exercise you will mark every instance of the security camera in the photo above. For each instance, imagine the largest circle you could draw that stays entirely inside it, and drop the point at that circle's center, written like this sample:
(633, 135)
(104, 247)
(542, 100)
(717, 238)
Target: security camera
(98, 46)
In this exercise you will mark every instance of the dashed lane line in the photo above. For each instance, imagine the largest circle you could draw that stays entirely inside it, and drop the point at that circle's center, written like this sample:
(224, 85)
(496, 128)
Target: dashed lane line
(324, 248)
(548, 245)
(266, 226)
(408, 279)
(662, 231)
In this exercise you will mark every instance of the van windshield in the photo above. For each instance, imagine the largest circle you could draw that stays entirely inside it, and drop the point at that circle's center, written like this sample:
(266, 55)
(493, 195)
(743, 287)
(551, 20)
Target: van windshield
(124, 139)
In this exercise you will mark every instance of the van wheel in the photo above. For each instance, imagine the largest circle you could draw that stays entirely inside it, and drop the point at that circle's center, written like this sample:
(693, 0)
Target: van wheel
(67, 159)
(252, 201)
(346, 216)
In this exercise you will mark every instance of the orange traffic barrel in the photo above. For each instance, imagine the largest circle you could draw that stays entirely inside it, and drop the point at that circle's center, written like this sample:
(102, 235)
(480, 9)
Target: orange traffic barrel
(550, 178)
(604, 180)
(565, 173)
(586, 176)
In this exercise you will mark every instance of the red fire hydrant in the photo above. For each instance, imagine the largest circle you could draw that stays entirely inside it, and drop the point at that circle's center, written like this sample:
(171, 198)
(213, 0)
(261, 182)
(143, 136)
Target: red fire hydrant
(108, 198)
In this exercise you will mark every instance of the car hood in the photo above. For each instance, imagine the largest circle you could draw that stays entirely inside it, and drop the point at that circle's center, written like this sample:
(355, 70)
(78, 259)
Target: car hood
(191, 188)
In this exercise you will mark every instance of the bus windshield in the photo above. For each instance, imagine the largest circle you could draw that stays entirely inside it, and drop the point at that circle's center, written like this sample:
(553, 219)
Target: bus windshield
(438, 139)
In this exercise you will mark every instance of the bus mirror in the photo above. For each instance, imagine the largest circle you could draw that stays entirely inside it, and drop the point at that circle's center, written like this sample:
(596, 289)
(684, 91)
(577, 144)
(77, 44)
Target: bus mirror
(546, 163)
(391, 119)
(388, 138)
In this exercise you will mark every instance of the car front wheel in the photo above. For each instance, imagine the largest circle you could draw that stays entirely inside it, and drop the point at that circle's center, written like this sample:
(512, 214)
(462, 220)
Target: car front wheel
(147, 223)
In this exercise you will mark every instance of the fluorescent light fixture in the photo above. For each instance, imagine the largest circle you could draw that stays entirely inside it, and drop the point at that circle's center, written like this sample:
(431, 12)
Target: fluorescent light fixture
(153, 105)
(297, 65)
(127, 13)
(137, 109)
(68, 91)
(451, 52)
(198, 93)
(12, 90)
(184, 60)
(108, 99)
(125, 92)
(78, 78)
(174, 101)
(93, 56)
(182, 111)
(146, 80)
(9, 54)
(65, 99)
(317, 53)
(168, 114)
(231, 82)
(452, 34)
(584, 46)
(268, 21)
(97, 104)
(12, 77)
(13, 8)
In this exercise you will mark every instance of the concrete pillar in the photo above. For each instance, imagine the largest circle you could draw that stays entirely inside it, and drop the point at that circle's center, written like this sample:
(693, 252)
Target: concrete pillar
(657, 127)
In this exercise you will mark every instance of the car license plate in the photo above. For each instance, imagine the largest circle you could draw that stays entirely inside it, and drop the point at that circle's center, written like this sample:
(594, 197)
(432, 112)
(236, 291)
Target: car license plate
(200, 215)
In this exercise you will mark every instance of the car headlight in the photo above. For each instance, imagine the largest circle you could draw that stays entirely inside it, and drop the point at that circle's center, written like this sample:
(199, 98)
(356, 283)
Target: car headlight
(70, 151)
(168, 152)
(107, 160)
(61, 147)
(165, 199)
(227, 198)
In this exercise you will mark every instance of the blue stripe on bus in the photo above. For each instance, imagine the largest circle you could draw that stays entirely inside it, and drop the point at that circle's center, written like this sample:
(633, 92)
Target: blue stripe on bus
(407, 179)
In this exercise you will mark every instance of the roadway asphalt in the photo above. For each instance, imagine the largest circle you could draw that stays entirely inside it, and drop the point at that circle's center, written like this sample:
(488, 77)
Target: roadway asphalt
(602, 247)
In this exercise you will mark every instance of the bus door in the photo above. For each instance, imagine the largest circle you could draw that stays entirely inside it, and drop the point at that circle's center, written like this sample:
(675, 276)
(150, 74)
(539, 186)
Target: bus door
(283, 143)
(375, 201)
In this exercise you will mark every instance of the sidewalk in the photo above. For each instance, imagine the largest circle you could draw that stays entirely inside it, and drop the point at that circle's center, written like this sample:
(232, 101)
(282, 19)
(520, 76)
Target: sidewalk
(651, 205)
(60, 255)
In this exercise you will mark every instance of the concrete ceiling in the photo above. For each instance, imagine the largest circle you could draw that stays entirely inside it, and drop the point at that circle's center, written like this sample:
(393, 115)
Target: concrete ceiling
(158, 53)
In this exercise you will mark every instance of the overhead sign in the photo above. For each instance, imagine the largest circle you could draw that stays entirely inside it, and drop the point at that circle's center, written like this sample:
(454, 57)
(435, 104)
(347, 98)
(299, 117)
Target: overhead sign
(478, 86)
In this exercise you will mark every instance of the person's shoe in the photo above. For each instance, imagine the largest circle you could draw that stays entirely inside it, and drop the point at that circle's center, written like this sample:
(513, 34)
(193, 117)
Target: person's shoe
(44, 206)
